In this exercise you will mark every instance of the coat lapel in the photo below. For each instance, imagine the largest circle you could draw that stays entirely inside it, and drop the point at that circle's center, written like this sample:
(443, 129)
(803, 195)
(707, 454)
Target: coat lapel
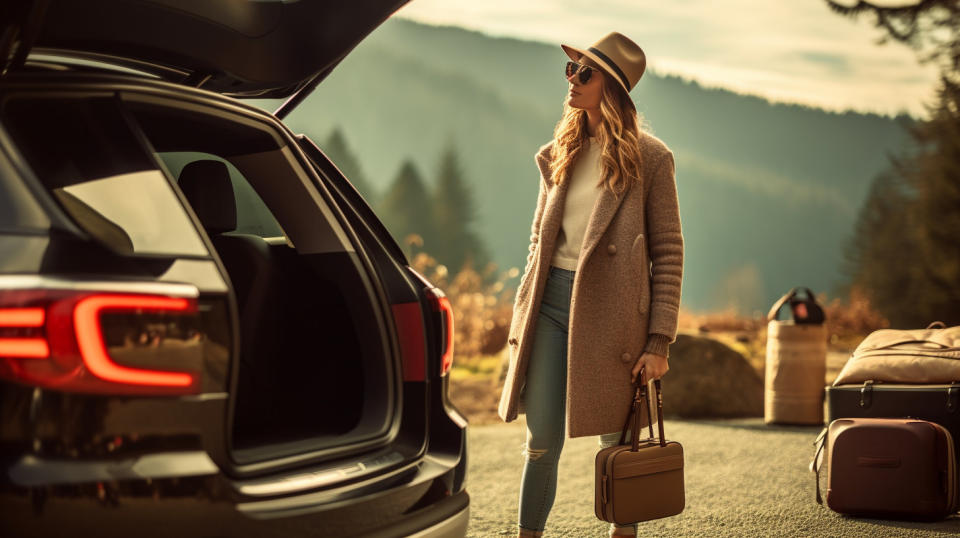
(604, 208)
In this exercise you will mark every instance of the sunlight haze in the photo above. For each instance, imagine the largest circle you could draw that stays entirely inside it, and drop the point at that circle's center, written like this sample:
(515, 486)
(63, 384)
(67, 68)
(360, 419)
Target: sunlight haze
(798, 51)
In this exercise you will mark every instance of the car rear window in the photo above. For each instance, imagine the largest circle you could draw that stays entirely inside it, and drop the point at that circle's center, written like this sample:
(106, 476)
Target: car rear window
(94, 164)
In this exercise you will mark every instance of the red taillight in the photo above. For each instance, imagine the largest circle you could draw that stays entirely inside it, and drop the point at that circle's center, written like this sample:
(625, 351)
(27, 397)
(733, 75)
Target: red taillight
(56, 339)
(21, 317)
(86, 322)
(21, 347)
(412, 328)
(408, 318)
(24, 348)
(441, 304)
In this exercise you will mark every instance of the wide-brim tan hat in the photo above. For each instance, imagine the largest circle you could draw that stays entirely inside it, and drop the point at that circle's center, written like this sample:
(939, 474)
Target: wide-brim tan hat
(618, 55)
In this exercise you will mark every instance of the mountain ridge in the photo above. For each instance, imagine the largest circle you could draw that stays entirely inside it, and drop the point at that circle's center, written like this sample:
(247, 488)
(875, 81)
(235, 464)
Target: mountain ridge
(780, 183)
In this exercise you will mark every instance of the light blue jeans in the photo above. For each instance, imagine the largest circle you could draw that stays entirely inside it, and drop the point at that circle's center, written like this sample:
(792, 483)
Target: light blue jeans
(545, 396)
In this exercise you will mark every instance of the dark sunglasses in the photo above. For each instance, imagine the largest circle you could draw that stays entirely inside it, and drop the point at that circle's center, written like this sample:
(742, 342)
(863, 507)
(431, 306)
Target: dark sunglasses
(584, 71)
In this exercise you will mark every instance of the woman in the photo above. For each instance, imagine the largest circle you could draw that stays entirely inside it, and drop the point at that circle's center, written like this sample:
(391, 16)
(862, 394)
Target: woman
(600, 294)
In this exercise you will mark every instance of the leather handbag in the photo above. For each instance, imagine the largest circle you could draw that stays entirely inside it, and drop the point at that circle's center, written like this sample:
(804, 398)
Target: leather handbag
(642, 480)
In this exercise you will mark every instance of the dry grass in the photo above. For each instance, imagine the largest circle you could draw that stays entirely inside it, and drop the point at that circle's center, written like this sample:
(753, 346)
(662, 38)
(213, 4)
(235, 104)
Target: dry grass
(848, 321)
(481, 310)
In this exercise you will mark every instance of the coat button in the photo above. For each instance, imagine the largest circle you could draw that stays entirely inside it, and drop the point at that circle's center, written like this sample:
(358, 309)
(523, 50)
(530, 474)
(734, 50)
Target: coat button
(611, 248)
(625, 357)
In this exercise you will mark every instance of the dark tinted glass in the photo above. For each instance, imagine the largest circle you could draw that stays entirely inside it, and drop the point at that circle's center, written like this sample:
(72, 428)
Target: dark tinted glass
(89, 157)
(585, 71)
(18, 208)
(253, 216)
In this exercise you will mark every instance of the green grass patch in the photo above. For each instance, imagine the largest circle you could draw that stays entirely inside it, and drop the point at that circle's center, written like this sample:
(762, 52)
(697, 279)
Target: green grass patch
(483, 366)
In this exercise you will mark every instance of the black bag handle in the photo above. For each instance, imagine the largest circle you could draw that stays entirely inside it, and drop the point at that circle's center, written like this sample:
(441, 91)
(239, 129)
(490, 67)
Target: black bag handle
(639, 394)
(817, 312)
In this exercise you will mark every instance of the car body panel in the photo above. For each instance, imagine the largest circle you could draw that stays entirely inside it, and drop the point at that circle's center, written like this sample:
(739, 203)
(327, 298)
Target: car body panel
(175, 474)
(267, 48)
(112, 465)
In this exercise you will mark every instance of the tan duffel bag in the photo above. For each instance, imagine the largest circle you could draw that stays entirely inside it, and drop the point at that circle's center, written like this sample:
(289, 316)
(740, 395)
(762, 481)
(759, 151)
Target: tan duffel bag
(930, 355)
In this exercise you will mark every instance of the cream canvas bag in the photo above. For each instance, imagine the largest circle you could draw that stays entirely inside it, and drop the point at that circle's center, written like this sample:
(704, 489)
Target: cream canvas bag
(930, 355)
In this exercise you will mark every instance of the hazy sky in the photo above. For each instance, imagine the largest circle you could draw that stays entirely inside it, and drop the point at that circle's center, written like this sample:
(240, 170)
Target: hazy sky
(785, 50)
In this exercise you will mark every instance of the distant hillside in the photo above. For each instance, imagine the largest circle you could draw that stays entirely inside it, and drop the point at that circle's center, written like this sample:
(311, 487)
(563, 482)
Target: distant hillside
(768, 192)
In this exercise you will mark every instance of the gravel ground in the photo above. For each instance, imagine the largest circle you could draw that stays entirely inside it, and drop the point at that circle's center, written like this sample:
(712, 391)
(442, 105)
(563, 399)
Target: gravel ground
(742, 478)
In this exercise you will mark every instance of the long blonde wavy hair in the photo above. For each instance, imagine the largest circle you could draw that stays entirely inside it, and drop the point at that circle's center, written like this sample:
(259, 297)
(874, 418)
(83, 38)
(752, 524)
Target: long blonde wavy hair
(618, 136)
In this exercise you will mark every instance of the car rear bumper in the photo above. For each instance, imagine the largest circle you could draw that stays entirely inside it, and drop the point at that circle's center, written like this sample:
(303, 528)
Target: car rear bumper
(448, 518)
(168, 497)
(195, 506)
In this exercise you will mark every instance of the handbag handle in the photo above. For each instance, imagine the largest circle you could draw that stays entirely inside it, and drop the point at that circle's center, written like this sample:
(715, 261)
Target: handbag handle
(639, 394)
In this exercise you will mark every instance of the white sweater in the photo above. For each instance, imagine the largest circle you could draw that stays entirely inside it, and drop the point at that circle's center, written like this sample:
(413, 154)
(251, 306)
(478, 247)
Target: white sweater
(578, 204)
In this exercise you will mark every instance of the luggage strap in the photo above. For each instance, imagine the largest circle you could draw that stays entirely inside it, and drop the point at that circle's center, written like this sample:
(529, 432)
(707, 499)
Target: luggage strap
(817, 460)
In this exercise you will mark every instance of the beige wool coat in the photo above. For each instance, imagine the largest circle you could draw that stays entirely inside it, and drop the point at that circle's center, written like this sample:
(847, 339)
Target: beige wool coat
(627, 285)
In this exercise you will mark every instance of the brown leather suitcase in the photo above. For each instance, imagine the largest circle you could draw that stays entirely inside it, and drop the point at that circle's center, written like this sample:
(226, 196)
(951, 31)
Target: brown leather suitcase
(642, 480)
(891, 468)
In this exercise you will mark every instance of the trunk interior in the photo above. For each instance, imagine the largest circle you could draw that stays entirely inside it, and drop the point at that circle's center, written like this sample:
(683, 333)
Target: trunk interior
(314, 371)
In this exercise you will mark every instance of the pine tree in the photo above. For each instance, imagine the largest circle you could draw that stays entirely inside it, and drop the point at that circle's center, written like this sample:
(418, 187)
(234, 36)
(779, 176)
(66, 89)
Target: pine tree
(337, 149)
(454, 214)
(880, 240)
(905, 250)
(933, 176)
(405, 210)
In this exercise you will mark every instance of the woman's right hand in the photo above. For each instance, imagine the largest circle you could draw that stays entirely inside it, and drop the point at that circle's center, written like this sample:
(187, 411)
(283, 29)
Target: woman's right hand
(649, 366)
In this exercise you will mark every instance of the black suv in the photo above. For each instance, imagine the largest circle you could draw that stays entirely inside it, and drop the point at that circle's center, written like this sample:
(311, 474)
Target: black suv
(204, 329)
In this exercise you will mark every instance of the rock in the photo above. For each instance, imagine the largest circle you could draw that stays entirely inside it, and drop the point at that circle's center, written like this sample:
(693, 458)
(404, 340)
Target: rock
(709, 379)
(706, 379)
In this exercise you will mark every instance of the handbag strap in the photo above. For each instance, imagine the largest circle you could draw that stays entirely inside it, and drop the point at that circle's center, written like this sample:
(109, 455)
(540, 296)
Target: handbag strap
(656, 384)
(639, 394)
(635, 438)
(634, 412)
